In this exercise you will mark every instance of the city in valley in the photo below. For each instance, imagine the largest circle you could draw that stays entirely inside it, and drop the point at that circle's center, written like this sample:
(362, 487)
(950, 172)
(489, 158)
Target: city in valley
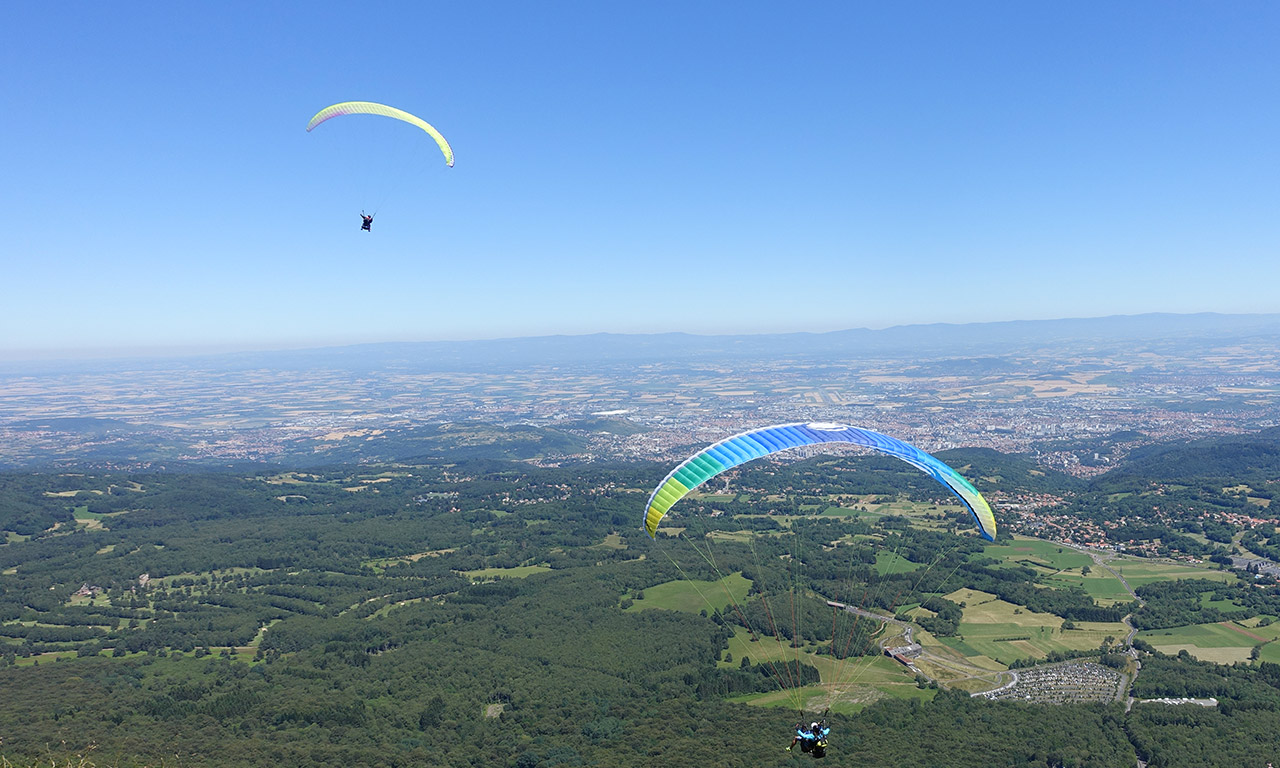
(1076, 406)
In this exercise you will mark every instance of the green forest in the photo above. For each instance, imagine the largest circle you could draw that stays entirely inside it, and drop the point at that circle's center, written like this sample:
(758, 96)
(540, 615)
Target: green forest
(478, 612)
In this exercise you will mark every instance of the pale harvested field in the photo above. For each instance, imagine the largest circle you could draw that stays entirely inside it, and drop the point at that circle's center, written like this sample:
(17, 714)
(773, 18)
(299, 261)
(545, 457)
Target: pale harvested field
(1215, 655)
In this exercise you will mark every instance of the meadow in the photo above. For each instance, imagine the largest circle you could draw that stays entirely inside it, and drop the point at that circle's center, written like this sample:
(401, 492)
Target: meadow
(693, 596)
(1004, 632)
(1222, 643)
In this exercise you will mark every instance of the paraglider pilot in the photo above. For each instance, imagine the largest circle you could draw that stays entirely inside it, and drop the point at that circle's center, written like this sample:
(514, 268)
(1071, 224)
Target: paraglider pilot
(812, 737)
(367, 222)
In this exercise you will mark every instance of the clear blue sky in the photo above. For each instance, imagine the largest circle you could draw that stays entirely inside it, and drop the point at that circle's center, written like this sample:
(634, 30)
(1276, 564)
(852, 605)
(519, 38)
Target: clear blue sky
(701, 167)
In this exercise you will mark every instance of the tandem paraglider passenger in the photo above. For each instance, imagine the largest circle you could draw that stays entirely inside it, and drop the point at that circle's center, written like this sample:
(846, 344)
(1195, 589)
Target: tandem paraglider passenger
(366, 222)
(812, 738)
(804, 737)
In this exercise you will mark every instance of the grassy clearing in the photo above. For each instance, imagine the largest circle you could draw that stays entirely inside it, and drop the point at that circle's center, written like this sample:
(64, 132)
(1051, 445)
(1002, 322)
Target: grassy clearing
(1226, 606)
(717, 496)
(518, 572)
(1139, 572)
(1037, 552)
(612, 541)
(384, 610)
(922, 514)
(847, 685)
(1004, 632)
(1255, 621)
(1062, 566)
(305, 479)
(1215, 655)
(91, 520)
(855, 669)
(1222, 643)
(817, 698)
(1099, 584)
(383, 563)
(692, 596)
(891, 563)
(741, 537)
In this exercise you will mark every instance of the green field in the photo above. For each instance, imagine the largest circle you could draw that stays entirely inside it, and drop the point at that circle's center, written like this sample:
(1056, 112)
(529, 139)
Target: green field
(1004, 632)
(692, 596)
(1223, 643)
(891, 563)
(1226, 606)
(922, 514)
(717, 496)
(1060, 566)
(1046, 553)
(518, 572)
(738, 536)
(382, 563)
(847, 685)
(817, 698)
(1140, 572)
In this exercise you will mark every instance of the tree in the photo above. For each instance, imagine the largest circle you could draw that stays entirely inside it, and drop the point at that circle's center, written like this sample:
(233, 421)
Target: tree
(430, 716)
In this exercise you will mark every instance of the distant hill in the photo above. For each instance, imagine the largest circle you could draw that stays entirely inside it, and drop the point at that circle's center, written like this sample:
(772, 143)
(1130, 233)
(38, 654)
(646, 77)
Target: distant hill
(989, 470)
(984, 342)
(1236, 456)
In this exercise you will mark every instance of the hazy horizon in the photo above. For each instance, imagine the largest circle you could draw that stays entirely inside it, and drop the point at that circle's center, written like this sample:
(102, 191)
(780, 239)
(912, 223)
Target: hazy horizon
(18, 356)
(855, 166)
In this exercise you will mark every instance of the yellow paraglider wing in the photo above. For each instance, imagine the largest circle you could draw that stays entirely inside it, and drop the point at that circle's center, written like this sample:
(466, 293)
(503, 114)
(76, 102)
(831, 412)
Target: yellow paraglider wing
(371, 108)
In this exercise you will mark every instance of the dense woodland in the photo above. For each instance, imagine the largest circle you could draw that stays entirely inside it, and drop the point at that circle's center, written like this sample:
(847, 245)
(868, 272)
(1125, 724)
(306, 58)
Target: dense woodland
(351, 615)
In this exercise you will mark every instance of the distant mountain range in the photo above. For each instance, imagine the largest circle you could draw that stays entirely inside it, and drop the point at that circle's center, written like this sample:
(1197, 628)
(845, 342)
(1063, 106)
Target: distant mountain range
(1159, 331)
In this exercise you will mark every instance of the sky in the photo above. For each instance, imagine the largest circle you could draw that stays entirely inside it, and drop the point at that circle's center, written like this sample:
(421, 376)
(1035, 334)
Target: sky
(709, 167)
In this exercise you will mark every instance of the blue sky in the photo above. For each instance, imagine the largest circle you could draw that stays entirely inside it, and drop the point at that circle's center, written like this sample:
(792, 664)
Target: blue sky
(700, 167)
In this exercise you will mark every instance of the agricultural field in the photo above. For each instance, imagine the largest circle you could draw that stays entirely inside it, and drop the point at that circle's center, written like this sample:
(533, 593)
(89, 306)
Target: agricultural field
(1222, 643)
(1140, 572)
(1004, 632)
(1039, 554)
(1062, 566)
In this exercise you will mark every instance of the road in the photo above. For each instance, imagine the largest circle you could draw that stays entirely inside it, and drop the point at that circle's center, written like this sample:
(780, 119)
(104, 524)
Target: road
(1101, 561)
(963, 670)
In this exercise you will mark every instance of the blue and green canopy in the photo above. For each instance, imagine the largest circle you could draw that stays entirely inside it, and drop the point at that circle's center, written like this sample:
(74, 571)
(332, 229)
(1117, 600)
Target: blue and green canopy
(744, 447)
